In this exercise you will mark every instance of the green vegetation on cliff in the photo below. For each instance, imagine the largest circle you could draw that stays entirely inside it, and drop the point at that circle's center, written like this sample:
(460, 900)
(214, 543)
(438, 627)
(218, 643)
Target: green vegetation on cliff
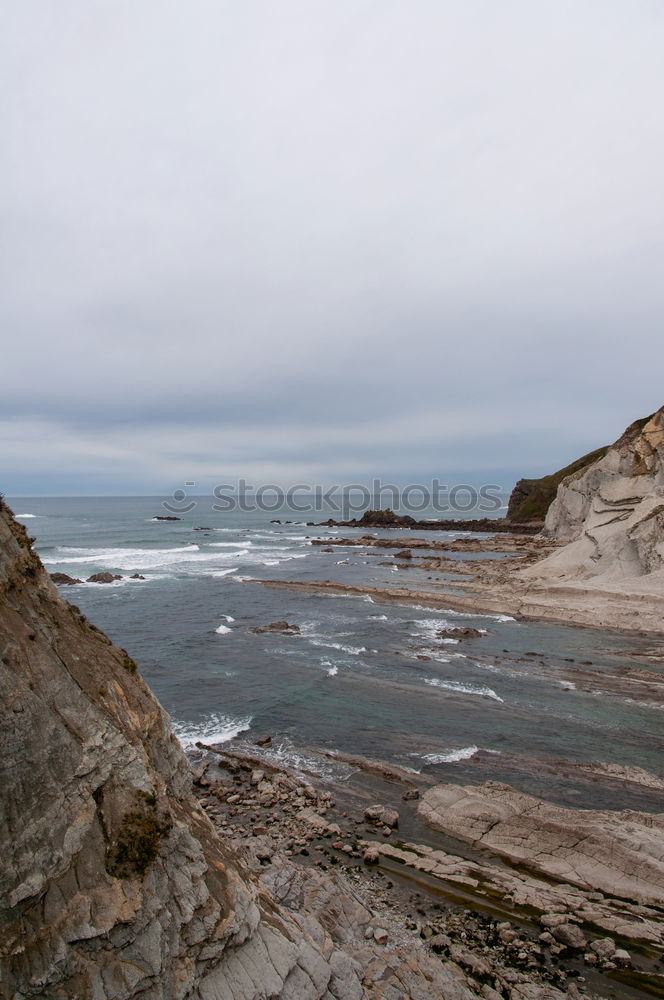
(531, 498)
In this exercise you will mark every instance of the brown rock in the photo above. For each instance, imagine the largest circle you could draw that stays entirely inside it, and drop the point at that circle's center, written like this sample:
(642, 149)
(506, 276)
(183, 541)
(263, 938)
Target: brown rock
(63, 580)
(283, 628)
(570, 935)
(459, 633)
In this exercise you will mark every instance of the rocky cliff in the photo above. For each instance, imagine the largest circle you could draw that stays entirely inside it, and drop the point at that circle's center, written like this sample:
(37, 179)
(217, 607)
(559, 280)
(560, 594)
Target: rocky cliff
(531, 499)
(610, 513)
(113, 882)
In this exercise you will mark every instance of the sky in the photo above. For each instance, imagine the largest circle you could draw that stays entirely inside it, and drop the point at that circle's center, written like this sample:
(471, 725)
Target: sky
(321, 241)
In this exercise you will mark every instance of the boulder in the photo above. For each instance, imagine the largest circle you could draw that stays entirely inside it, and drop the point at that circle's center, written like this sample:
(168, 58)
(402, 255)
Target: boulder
(103, 578)
(382, 816)
(604, 947)
(63, 580)
(570, 935)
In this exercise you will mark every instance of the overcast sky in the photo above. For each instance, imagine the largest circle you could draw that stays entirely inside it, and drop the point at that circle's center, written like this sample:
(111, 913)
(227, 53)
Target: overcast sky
(320, 240)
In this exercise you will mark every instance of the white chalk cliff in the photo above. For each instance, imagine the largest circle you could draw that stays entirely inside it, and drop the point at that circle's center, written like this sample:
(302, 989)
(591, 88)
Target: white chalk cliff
(611, 517)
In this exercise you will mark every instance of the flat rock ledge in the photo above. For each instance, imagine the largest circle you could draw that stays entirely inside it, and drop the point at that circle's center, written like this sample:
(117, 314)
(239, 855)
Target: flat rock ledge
(620, 854)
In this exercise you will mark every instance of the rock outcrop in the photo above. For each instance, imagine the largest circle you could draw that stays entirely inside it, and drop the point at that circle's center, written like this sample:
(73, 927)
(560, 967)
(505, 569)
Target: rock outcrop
(619, 853)
(611, 514)
(113, 881)
(531, 499)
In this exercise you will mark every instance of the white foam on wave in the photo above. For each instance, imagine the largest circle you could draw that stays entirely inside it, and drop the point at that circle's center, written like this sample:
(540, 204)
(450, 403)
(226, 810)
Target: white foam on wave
(27, 515)
(378, 618)
(332, 668)
(352, 650)
(228, 618)
(463, 614)
(482, 692)
(229, 545)
(286, 754)
(223, 629)
(429, 627)
(225, 572)
(451, 756)
(124, 558)
(215, 728)
(433, 654)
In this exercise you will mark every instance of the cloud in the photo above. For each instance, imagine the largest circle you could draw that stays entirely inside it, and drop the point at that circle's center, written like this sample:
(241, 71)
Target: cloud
(322, 237)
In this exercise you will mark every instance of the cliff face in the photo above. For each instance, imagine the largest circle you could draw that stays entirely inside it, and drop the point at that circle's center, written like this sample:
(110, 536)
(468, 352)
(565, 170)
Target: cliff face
(113, 882)
(611, 513)
(531, 499)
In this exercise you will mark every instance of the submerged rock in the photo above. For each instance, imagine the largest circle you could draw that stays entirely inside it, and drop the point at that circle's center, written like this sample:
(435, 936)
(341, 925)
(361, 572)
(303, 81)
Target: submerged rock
(459, 633)
(283, 628)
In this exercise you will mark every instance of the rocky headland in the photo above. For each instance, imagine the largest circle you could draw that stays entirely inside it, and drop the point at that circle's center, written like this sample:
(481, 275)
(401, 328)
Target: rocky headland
(125, 875)
(597, 559)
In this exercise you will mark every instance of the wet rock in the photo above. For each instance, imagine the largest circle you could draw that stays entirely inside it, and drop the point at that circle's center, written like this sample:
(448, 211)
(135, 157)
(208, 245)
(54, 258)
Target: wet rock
(282, 627)
(166, 517)
(459, 633)
(63, 580)
(136, 576)
(411, 794)
(614, 852)
(263, 741)
(103, 578)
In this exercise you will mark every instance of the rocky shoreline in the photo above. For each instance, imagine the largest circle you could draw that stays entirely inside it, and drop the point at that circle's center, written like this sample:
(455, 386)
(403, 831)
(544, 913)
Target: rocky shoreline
(500, 583)
(512, 933)
(388, 519)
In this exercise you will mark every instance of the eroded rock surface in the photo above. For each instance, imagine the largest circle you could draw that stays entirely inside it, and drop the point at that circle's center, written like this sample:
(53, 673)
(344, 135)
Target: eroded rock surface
(611, 513)
(114, 883)
(619, 853)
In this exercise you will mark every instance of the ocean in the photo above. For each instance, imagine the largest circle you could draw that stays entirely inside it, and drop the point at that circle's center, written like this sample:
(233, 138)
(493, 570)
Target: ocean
(514, 704)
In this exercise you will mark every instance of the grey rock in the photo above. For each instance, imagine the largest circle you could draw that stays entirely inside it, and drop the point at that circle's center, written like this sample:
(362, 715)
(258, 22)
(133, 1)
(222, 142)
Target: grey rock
(570, 935)
(604, 947)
